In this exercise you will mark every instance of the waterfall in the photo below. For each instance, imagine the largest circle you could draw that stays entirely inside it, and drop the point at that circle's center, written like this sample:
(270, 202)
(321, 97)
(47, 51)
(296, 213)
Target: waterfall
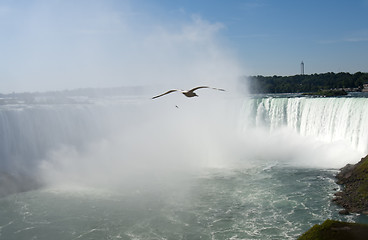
(29, 132)
(88, 132)
(327, 119)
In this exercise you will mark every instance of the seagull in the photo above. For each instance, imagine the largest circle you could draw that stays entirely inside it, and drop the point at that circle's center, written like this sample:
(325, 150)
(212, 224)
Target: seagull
(189, 93)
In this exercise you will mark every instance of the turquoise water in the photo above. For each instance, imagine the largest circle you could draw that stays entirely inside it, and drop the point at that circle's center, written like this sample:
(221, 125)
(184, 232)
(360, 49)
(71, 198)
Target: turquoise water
(260, 168)
(260, 202)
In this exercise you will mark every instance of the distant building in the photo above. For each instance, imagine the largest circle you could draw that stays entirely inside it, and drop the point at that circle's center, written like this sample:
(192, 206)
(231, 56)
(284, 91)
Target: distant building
(302, 68)
(365, 87)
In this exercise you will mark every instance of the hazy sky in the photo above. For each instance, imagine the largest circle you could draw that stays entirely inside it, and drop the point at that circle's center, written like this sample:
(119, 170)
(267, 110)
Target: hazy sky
(65, 44)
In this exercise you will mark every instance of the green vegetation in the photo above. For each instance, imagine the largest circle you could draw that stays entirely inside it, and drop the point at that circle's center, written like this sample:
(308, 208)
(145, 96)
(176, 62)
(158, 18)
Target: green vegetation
(362, 174)
(306, 83)
(335, 230)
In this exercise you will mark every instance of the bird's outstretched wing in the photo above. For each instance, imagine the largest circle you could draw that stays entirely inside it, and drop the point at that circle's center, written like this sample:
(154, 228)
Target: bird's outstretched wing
(170, 91)
(196, 88)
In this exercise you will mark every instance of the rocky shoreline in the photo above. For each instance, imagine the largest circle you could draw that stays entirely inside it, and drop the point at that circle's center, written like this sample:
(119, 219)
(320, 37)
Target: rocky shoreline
(354, 199)
(335, 230)
(354, 196)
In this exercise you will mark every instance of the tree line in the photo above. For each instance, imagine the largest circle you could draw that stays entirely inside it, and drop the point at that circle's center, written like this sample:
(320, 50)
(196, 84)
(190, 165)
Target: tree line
(306, 83)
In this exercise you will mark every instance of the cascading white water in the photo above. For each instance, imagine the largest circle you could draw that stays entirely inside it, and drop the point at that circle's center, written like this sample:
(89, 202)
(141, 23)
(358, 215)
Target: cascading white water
(108, 141)
(327, 119)
(133, 170)
(29, 133)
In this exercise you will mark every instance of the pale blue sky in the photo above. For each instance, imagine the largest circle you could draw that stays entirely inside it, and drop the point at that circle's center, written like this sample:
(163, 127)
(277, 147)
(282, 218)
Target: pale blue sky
(65, 44)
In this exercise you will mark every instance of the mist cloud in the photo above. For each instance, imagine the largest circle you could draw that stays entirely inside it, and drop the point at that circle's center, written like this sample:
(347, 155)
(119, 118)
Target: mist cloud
(72, 44)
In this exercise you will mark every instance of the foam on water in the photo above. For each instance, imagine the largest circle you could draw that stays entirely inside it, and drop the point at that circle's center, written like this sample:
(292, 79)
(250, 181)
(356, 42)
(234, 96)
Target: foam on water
(149, 170)
(253, 203)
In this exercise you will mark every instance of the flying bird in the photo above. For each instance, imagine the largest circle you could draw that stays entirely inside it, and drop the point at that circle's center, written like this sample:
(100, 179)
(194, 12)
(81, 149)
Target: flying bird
(189, 93)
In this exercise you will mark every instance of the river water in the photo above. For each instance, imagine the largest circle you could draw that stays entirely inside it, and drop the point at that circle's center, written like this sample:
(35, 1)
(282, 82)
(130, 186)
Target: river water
(130, 169)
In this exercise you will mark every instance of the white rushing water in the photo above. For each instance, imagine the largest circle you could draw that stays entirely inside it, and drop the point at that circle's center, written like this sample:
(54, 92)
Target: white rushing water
(329, 120)
(37, 134)
(210, 169)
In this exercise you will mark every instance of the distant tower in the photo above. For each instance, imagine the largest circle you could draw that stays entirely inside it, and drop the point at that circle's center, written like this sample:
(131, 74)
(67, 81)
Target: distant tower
(302, 68)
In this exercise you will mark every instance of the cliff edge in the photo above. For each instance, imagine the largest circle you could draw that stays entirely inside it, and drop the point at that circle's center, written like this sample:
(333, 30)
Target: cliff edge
(335, 230)
(354, 196)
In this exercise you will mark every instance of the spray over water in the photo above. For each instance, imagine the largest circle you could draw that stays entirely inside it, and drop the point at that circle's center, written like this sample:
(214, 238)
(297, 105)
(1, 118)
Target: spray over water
(129, 167)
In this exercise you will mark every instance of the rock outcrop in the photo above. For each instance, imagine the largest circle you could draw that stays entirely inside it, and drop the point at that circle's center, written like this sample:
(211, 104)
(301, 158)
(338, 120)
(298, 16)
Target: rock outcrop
(335, 230)
(354, 196)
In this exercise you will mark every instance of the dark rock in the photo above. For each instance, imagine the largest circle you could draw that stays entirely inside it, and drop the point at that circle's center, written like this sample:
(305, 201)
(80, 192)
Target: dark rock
(335, 230)
(344, 212)
(339, 194)
(335, 199)
(354, 196)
